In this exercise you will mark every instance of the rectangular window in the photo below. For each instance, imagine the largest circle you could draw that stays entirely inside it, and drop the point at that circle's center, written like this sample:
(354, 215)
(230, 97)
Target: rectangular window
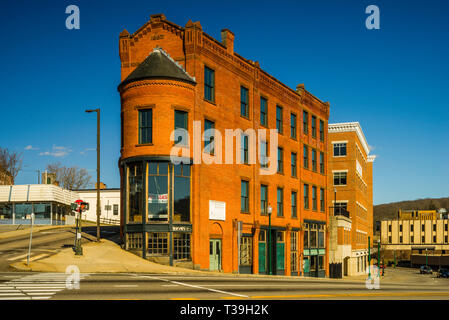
(412, 239)
(244, 204)
(322, 162)
(305, 122)
(263, 111)
(294, 251)
(244, 149)
(423, 239)
(279, 119)
(314, 160)
(422, 227)
(244, 102)
(305, 157)
(293, 164)
(280, 202)
(246, 252)
(434, 239)
(314, 198)
(322, 202)
(322, 130)
(115, 209)
(400, 228)
(157, 243)
(313, 127)
(209, 84)
(263, 154)
(293, 125)
(146, 126)
(306, 196)
(181, 123)
(339, 149)
(263, 199)
(306, 237)
(434, 227)
(340, 178)
(280, 160)
(181, 246)
(411, 227)
(209, 127)
(294, 204)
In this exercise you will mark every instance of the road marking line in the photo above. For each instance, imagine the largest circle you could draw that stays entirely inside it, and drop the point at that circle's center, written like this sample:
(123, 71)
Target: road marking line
(14, 298)
(12, 294)
(49, 288)
(126, 285)
(48, 297)
(379, 294)
(41, 290)
(38, 294)
(169, 285)
(18, 257)
(198, 287)
(184, 299)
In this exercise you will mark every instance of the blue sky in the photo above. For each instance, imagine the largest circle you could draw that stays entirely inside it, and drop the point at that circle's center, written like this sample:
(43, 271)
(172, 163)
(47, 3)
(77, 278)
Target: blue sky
(393, 80)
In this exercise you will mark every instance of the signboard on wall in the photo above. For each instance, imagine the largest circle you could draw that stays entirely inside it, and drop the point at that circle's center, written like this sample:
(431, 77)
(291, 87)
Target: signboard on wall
(217, 210)
(157, 198)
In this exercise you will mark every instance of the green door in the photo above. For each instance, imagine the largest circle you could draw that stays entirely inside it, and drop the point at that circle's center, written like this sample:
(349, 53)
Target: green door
(306, 265)
(262, 257)
(280, 258)
(214, 254)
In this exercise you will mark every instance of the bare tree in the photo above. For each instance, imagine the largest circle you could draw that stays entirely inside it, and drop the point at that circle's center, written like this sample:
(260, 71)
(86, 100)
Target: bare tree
(71, 178)
(11, 161)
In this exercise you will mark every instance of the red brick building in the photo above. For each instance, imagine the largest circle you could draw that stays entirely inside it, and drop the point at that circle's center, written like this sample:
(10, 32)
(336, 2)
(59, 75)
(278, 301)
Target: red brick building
(215, 216)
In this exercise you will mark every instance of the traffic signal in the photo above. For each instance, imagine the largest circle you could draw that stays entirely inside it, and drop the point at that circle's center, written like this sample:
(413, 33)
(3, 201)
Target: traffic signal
(73, 206)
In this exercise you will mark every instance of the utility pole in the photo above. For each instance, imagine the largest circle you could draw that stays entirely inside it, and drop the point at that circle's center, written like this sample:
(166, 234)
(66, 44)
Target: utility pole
(98, 170)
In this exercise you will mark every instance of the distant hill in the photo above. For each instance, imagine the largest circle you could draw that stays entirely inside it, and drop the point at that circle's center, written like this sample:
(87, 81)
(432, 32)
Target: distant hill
(390, 210)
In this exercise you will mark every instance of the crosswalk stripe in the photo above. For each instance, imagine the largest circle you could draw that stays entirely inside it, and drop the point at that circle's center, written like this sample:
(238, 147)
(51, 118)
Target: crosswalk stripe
(12, 294)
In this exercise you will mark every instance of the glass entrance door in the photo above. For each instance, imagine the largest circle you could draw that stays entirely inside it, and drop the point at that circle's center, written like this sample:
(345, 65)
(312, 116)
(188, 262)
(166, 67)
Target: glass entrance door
(214, 254)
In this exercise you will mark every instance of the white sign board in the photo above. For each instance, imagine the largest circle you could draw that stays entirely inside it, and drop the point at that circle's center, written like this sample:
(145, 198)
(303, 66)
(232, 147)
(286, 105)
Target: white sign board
(157, 198)
(217, 210)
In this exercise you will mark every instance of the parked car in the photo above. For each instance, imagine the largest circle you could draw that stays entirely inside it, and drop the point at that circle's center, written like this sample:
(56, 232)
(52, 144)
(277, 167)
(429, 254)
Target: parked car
(443, 273)
(425, 270)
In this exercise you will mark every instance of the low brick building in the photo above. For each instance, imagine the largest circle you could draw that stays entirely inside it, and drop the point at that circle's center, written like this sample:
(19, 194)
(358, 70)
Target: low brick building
(216, 216)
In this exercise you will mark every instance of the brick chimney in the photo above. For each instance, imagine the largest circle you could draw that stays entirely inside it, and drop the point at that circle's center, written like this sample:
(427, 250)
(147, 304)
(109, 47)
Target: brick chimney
(227, 38)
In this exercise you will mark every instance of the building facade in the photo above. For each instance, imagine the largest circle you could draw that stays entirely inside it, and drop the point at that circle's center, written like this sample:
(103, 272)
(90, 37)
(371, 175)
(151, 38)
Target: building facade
(350, 193)
(216, 216)
(109, 205)
(415, 239)
(50, 204)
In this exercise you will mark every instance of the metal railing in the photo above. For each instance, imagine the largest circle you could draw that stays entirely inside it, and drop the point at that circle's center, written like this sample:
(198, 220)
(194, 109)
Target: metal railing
(110, 221)
(339, 211)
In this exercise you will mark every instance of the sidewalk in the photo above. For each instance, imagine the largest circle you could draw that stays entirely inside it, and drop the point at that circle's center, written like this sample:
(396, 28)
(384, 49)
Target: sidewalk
(107, 257)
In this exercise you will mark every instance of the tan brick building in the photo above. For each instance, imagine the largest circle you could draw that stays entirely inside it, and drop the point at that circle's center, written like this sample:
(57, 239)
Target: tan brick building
(214, 216)
(350, 193)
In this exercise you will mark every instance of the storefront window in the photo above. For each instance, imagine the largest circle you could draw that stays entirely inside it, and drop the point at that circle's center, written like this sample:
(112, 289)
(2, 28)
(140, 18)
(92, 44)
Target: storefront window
(158, 191)
(23, 212)
(306, 238)
(182, 193)
(135, 192)
(313, 243)
(181, 244)
(321, 239)
(42, 212)
(5, 213)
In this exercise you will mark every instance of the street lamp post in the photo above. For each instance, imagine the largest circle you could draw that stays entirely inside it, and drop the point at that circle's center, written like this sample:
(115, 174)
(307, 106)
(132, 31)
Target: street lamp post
(369, 258)
(98, 170)
(378, 257)
(269, 209)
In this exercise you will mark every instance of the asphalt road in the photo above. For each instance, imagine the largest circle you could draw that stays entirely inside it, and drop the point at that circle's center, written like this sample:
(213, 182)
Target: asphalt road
(178, 287)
